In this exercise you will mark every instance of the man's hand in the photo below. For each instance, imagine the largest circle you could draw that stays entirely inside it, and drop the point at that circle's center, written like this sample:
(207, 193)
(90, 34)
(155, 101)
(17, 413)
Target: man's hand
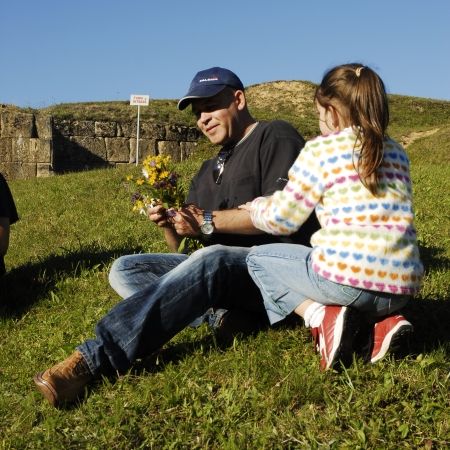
(159, 216)
(187, 220)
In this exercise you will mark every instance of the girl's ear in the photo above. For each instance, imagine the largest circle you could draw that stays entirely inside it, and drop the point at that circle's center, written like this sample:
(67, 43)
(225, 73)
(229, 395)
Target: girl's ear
(335, 117)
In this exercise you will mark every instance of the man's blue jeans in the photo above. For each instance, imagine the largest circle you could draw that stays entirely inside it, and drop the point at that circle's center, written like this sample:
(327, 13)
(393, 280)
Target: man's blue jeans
(130, 274)
(215, 276)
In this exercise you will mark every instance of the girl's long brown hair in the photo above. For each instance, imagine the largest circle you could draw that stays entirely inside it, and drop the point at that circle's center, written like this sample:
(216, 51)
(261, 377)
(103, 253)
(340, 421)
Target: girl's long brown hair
(359, 95)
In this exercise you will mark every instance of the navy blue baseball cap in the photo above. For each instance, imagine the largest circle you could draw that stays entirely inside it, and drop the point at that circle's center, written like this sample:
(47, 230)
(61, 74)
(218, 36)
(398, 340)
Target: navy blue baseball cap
(208, 83)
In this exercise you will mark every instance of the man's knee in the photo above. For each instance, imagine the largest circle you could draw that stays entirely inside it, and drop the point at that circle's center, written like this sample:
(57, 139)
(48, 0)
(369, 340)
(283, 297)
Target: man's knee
(215, 253)
(118, 265)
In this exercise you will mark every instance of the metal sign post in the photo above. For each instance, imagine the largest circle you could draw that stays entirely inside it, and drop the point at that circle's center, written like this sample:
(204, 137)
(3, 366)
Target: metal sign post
(138, 100)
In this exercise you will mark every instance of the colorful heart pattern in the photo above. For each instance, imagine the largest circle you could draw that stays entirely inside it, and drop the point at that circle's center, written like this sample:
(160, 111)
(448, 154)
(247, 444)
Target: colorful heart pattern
(365, 241)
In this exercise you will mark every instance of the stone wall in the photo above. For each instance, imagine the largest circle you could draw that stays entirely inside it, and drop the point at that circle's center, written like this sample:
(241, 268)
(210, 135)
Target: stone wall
(34, 145)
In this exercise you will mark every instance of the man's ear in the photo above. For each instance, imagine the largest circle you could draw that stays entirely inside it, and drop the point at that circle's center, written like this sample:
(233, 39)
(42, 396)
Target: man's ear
(239, 98)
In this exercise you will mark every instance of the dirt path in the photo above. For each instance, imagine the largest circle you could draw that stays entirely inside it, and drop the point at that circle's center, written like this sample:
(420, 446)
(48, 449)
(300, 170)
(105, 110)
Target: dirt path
(412, 137)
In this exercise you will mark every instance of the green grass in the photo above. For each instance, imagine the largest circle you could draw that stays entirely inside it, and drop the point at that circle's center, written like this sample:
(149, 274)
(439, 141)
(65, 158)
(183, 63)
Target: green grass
(262, 392)
(160, 111)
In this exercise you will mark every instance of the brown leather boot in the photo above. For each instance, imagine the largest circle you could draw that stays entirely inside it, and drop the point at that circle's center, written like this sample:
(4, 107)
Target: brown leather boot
(65, 381)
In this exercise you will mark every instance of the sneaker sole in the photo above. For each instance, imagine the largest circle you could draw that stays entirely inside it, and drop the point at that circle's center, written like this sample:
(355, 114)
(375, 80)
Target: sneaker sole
(345, 329)
(332, 360)
(392, 341)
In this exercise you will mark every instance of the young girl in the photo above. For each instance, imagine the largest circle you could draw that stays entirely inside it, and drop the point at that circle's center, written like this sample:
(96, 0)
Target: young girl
(365, 259)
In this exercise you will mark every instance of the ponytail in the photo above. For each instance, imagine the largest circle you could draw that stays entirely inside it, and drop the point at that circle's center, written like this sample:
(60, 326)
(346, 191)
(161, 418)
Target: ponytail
(359, 95)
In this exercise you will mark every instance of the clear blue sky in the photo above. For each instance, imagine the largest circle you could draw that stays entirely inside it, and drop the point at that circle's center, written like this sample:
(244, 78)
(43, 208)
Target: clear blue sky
(55, 51)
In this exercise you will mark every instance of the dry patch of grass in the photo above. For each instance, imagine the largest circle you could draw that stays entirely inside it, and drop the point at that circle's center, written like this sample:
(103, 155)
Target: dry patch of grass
(297, 95)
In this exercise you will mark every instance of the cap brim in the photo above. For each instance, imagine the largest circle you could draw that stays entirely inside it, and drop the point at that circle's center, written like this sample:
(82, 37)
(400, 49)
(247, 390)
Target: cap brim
(205, 92)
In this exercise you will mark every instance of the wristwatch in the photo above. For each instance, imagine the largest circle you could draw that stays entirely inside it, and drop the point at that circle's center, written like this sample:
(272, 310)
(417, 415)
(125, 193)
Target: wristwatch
(207, 226)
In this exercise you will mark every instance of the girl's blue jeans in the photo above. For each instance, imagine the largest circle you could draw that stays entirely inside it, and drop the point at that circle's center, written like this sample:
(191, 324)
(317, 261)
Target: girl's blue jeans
(285, 277)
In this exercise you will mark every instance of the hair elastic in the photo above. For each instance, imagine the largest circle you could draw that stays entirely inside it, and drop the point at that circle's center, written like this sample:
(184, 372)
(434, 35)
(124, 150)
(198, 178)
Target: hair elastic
(358, 71)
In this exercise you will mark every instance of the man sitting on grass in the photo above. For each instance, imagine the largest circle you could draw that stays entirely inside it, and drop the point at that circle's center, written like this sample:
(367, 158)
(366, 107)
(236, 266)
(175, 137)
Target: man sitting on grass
(253, 160)
(164, 293)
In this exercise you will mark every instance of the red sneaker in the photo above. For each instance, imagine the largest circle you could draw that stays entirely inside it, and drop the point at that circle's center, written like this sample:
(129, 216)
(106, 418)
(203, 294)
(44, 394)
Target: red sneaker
(388, 335)
(334, 336)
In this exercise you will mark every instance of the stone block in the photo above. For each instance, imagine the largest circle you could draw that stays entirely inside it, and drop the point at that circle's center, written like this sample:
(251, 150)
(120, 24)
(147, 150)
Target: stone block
(44, 170)
(6, 149)
(93, 148)
(17, 124)
(85, 128)
(171, 148)
(151, 130)
(5, 169)
(117, 149)
(147, 147)
(20, 151)
(63, 127)
(31, 150)
(193, 134)
(44, 126)
(78, 153)
(159, 132)
(126, 129)
(105, 129)
(40, 150)
(18, 170)
(187, 149)
(176, 133)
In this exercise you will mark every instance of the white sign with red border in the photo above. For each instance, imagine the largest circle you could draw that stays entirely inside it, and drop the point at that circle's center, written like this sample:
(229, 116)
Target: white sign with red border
(139, 100)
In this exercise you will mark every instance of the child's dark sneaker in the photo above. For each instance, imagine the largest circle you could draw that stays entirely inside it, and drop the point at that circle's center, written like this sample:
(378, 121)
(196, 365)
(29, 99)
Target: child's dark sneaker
(334, 336)
(388, 335)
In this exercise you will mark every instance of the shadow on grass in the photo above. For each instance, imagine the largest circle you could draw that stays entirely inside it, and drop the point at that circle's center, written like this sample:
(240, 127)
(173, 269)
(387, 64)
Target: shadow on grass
(23, 286)
(172, 353)
(430, 316)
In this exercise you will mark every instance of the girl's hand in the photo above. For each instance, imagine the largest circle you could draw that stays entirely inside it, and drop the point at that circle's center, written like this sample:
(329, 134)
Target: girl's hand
(246, 206)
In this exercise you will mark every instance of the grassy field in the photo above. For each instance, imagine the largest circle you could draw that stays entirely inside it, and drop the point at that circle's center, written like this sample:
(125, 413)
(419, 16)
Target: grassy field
(262, 392)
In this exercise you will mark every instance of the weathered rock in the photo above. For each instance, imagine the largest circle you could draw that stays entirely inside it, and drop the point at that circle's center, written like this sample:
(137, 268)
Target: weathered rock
(187, 149)
(5, 149)
(171, 148)
(117, 149)
(83, 128)
(17, 124)
(40, 145)
(18, 170)
(105, 129)
(44, 126)
(44, 170)
(147, 147)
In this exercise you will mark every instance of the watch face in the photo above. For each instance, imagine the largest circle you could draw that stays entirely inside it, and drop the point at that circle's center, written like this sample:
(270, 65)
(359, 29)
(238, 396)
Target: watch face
(207, 228)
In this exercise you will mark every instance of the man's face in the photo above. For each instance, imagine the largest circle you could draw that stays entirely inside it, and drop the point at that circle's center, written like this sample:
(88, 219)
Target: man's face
(217, 117)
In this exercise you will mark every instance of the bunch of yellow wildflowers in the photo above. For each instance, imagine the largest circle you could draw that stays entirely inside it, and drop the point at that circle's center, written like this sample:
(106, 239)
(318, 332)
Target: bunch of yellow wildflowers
(157, 185)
